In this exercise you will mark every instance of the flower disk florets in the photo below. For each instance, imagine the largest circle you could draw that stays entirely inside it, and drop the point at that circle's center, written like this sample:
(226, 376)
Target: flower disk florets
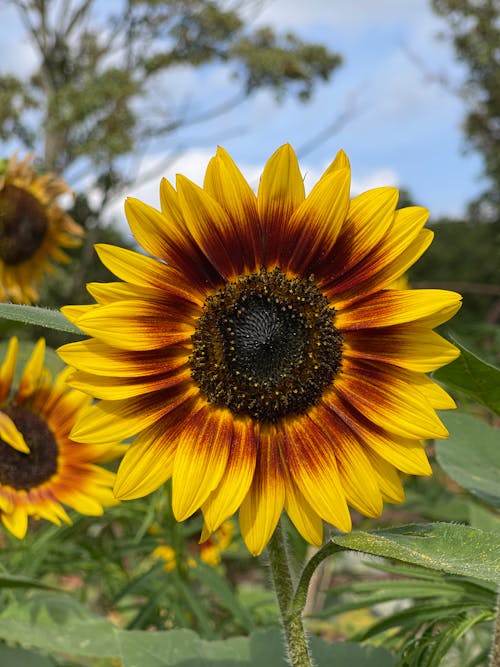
(23, 225)
(266, 346)
(21, 470)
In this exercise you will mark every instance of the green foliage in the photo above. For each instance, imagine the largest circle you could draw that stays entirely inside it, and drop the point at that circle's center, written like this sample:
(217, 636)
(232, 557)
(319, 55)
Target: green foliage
(14, 657)
(451, 548)
(443, 610)
(94, 76)
(471, 457)
(15, 101)
(461, 258)
(473, 377)
(475, 31)
(57, 624)
(41, 317)
(275, 63)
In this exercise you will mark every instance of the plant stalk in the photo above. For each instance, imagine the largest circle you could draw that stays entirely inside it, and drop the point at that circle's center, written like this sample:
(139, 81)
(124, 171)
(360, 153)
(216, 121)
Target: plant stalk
(495, 646)
(291, 617)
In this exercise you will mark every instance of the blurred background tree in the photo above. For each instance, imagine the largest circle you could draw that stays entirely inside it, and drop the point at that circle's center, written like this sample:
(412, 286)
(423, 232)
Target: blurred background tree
(475, 32)
(99, 91)
(464, 254)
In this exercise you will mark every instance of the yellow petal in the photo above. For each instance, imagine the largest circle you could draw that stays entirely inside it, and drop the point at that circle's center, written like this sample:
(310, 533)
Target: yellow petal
(315, 225)
(355, 471)
(226, 184)
(313, 466)
(224, 500)
(10, 434)
(379, 270)
(6, 500)
(281, 191)
(31, 373)
(113, 421)
(148, 462)
(146, 272)
(434, 393)
(149, 326)
(149, 227)
(212, 229)
(388, 401)
(387, 478)
(118, 388)
(7, 369)
(341, 161)
(109, 292)
(409, 346)
(263, 504)
(16, 521)
(93, 356)
(73, 313)
(83, 503)
(302, 515)
(370, 216)
(392, 307)
(185, 253)
(406, 454)
(201, 459)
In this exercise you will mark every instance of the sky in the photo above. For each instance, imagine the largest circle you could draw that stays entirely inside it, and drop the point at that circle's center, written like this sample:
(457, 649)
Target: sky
(400, 126)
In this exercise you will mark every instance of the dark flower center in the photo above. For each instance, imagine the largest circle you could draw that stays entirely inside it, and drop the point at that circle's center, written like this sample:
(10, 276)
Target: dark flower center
(25, 471)
(23, 224)
(266, 346)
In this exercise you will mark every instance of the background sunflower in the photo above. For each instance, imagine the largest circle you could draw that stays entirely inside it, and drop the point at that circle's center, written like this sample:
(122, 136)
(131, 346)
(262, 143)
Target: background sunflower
(41, 468)
(33, 229)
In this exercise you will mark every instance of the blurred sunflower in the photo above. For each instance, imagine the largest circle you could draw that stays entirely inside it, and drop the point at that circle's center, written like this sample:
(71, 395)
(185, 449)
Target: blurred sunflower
(210, 551)
(33, 229)
(258, 354)
(40, 466)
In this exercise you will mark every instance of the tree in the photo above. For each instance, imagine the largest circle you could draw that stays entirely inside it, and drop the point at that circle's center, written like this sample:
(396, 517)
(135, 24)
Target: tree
(475, 30)
(91, 91)
(92, 98)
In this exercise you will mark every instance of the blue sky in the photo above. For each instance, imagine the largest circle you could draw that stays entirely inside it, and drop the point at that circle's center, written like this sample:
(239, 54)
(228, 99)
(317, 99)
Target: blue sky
(403, 127)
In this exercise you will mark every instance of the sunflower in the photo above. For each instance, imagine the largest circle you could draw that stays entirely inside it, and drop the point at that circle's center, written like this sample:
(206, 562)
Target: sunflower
(40, 466)
(258, 356)
(33, 229)
(210, 551)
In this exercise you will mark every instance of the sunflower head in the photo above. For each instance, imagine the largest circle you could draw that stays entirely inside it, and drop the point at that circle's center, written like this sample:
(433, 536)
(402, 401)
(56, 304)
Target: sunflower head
(41, 468)
(259, 354)
(33, 228)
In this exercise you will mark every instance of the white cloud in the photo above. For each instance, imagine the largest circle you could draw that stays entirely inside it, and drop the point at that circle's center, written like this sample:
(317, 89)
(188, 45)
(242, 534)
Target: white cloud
(375, 179)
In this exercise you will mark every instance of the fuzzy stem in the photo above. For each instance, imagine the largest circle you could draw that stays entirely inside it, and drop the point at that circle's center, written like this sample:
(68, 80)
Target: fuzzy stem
(495, 647)
(291, 618)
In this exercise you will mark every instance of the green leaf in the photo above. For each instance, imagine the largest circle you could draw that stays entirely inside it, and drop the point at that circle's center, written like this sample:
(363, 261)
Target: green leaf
(416, 615)
(448, 638)
(77, 633)
(451, 548)
(41, 317)
(473, 377)
(471, 456)
(484, 518)
(15, 657)
(18, 581)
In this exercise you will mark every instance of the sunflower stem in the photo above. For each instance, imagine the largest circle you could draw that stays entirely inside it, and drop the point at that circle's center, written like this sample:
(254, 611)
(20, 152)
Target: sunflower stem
(291, 616)
(495, 646)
